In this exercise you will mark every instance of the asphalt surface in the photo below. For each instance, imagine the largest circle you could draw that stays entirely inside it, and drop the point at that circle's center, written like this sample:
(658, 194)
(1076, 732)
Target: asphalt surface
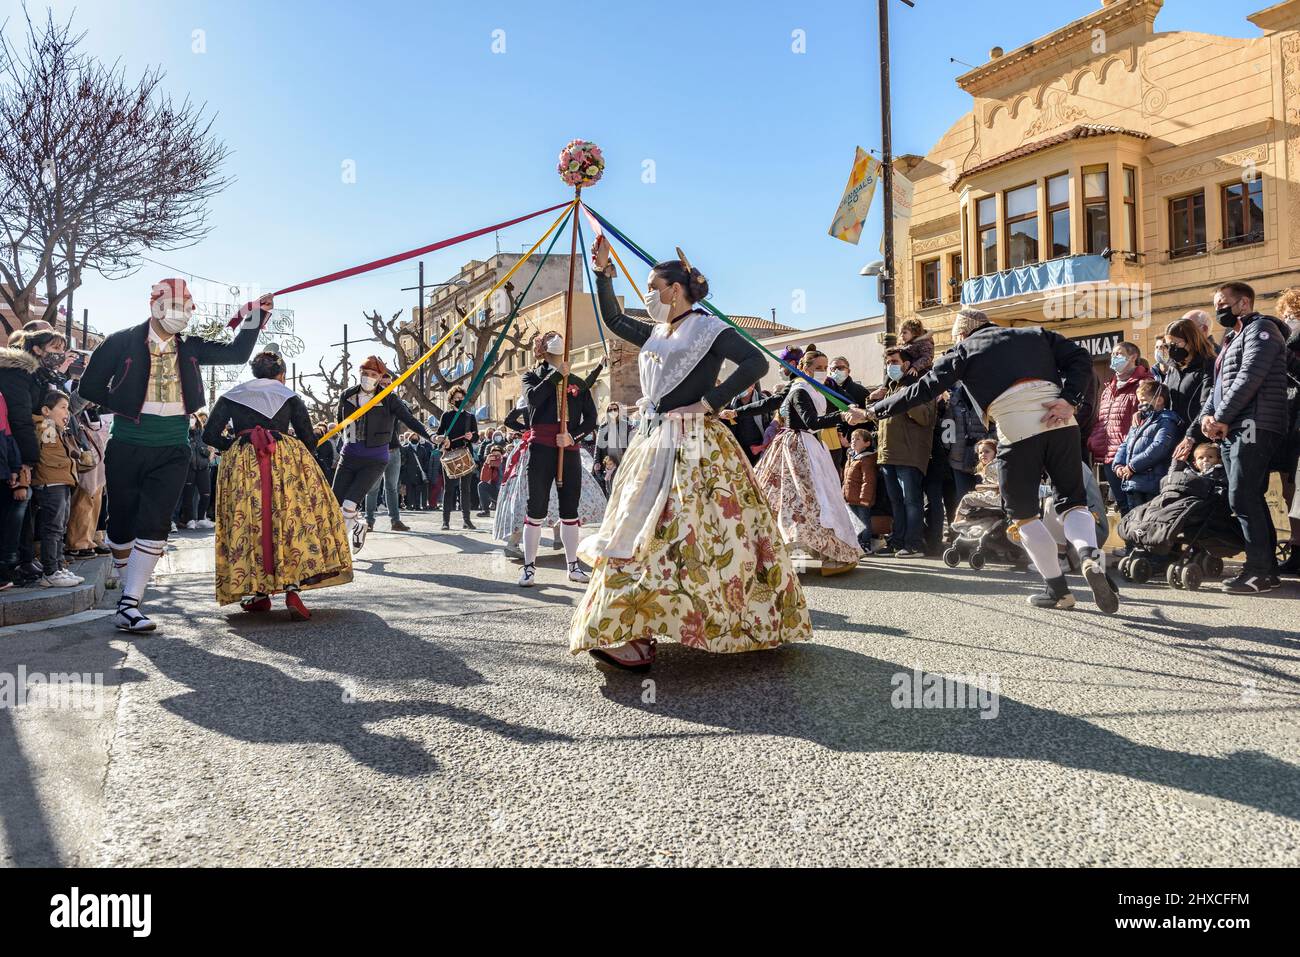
(431, 714)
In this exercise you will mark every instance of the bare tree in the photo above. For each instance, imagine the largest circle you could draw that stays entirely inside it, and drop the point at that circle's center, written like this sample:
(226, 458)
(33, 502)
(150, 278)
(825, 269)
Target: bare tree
(471, 341)
(324, 406)
(93, 169)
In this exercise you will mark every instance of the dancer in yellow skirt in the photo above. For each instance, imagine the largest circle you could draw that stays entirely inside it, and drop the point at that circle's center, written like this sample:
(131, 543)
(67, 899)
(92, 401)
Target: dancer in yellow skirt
(688, 548)
(278, 525)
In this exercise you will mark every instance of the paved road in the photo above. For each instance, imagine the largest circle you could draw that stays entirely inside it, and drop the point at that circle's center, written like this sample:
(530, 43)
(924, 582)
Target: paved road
(431, 714)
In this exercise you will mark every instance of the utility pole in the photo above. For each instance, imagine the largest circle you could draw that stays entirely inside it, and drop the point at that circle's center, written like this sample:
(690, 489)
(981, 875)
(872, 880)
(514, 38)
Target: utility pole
(346, 363)
(887, 162)
(420, 308)
(85, 328)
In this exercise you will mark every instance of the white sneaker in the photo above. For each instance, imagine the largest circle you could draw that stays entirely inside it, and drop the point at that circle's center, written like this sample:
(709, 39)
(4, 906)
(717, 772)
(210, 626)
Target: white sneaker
(76, 579)
(59, 579)
(174, 527)
(526, 576)
(576, 574)
(191, 524)
(207, 523)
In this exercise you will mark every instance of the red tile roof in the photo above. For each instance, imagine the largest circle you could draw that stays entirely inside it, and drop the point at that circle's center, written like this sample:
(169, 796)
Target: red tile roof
(1056, 139)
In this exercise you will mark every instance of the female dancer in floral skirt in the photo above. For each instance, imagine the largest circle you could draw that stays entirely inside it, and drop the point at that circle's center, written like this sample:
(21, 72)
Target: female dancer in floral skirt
(688, 548)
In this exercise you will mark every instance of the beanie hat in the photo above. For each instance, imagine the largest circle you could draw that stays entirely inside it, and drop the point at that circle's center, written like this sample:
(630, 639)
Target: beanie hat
(967, 321)
(174, 289)
(375, 365)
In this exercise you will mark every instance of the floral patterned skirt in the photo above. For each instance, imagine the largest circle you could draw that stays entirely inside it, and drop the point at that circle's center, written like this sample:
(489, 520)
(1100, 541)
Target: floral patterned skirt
(713, 575)
(799, 480)
(308, 536)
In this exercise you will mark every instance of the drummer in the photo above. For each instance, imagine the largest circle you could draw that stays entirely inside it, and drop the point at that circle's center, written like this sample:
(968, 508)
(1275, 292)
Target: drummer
(463, 427)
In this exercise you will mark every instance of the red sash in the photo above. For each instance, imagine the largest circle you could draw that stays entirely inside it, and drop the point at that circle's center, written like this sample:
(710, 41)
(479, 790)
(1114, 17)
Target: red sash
(263, 441)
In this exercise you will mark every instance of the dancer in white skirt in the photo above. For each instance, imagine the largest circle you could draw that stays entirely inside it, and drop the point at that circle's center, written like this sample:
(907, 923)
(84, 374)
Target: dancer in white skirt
(798, 477)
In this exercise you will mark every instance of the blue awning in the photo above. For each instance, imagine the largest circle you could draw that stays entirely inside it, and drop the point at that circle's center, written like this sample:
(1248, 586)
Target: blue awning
(1034, 278)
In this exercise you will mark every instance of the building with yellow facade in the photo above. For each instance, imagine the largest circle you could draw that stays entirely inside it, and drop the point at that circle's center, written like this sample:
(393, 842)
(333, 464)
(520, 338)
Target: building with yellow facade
(1109, 176)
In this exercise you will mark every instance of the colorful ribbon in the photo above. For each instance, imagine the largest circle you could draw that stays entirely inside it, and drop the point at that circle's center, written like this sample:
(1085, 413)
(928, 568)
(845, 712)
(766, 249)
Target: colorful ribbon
(432, 351)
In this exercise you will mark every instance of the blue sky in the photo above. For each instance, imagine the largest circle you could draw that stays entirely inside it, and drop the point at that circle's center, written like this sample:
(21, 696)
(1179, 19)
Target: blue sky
(751, 141)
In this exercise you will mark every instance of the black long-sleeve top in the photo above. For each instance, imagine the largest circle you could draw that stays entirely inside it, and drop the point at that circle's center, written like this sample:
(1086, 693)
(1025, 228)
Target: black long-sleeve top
(376, 427)
(751, 365)
(541, 388)
(798, 411)
(293, 414)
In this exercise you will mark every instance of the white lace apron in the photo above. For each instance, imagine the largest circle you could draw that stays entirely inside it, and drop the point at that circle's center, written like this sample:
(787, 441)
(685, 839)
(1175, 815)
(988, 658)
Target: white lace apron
(642, 483)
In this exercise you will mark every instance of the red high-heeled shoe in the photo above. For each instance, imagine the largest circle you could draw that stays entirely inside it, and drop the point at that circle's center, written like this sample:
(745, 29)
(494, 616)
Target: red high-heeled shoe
(256, 603)
(297, 610)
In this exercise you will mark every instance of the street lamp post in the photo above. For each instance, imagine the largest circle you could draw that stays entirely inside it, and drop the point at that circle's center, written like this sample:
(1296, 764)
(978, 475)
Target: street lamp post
(887, 162)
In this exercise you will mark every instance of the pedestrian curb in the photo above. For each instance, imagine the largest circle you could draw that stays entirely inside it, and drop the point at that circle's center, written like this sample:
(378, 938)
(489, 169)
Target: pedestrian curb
(22, 606)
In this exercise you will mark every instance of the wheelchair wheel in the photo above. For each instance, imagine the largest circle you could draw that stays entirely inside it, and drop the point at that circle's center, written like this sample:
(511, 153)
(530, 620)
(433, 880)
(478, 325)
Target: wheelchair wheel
(1192, 576)
(977, 560)
(1175, 575)
(951, 557)
(1140, 570)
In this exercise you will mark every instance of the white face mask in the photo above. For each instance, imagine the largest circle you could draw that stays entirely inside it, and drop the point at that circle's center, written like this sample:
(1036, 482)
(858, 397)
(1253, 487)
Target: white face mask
(368, 384)
(820, 375)
(555, 346)
(659, 311)
(175, 321)
(839, 375)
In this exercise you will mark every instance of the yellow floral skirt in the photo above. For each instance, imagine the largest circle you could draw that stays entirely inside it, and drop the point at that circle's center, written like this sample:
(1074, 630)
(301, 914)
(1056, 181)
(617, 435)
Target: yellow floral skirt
(714, 574)
(308, 537)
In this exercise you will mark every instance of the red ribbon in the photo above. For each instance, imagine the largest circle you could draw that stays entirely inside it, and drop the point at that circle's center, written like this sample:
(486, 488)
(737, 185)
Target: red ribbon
(516, 455)
(263, 443)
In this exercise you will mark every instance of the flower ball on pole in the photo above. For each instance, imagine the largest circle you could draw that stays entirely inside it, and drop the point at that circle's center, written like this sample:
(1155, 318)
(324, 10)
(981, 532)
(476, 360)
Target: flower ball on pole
(581, 164)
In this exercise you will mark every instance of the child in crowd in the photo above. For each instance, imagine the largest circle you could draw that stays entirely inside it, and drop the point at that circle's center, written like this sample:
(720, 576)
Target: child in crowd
(53, 479)
(989, 469)
(860, 483)
(918, 349)
(609, 467)
(1143, 458)
(1209, 462)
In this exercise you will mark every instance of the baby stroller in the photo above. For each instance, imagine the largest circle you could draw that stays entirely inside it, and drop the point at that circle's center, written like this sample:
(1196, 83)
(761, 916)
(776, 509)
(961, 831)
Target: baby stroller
(1184, 533)
(981, 533)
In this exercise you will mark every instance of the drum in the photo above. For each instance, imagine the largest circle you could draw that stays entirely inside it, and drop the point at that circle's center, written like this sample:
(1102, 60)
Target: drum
(457, 462)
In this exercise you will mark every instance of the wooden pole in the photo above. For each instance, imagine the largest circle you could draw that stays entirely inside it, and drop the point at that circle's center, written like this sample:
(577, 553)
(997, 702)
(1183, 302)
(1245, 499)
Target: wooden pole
(568, 334)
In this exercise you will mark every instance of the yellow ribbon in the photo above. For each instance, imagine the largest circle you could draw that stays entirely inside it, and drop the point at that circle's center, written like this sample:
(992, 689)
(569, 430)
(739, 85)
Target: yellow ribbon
(383, 393)
(635, 288)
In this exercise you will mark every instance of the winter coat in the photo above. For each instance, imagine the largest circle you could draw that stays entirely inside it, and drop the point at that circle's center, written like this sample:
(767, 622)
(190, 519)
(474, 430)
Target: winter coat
(411, 472)
(1189, 507)
(1115, 414)
(860, 478)
(907, 439)
(1188, 390)
(1148, 449)
(59, 455)
(920, 353)
(967, 429)
(1250, 382)
(17, 372)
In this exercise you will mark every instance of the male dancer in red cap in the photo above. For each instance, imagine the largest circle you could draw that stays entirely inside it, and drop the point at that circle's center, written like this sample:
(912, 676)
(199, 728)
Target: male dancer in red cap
(150, 376)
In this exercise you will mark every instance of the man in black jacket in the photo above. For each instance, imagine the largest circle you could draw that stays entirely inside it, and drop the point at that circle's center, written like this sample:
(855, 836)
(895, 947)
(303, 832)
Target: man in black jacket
(1031, 381)
(151, 377)
(749, 428)
(543, 386)
(458, 431)
(1247, 414)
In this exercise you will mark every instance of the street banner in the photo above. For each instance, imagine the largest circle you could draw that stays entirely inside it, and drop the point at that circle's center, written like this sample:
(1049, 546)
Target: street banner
(852, 213)
(904, 191)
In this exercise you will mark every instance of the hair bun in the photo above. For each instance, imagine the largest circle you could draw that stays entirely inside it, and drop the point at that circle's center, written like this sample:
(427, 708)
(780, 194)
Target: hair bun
(699, 286)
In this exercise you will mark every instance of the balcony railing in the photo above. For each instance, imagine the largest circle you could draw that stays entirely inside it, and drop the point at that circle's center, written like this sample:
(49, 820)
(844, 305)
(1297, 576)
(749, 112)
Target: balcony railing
(1065, 271)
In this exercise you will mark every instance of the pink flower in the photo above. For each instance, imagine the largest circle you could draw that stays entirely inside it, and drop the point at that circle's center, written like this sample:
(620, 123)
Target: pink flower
(692, 633)
(730, 507)
(734, 592)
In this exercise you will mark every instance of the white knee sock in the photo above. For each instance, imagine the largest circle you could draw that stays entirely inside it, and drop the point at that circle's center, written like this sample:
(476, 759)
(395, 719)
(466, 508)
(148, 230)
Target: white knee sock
(1080, 529)
(350, 511)
(1041, 547)
(140, 566)
(119, 564)
(532, 538)
(569, 535)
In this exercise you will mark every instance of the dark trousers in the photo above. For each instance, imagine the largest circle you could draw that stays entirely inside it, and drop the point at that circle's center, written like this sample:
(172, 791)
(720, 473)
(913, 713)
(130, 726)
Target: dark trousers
(390, 483)
(197, 492)
(940, 503)
(457, 491)
(144, 485)
(863, 513)
(13, 516)
(1247, 465)
(52, 505)
(1055, 452)
(904, 484)
(354, 478)
(543, 463)
(211, 513)
(487, 495)
(1116, 484)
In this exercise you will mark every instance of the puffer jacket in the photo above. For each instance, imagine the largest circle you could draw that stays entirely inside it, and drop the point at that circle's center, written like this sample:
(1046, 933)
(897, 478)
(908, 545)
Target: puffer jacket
(1250, 384)
(17, 369)
(1148, 449)
(1115, 415)
(860, 478)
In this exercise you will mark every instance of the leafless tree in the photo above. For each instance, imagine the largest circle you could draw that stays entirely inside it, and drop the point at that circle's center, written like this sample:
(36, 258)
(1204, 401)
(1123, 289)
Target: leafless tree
(473, 340)
(324, 404)
(94, 169)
